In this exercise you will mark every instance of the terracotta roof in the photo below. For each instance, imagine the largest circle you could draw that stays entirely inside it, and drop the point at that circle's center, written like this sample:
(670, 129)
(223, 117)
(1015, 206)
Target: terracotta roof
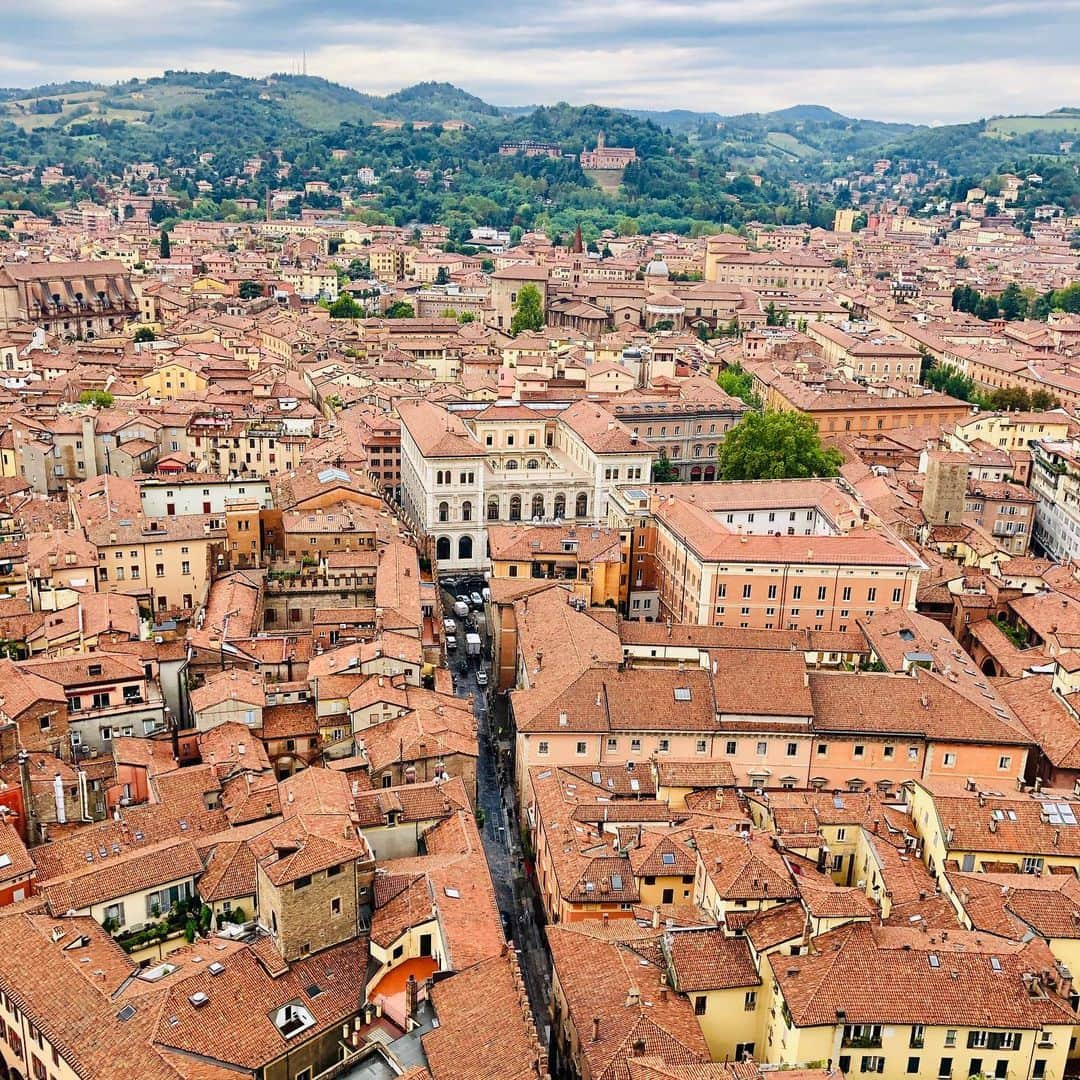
(484, 1032)
(609, 981)
(885, 975)
(236, 1024)
(705, 958)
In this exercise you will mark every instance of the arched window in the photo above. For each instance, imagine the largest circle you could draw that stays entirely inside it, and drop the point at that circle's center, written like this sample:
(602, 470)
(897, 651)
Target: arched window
(697, 449)
(712, 450)
(442, 548)
(695, 473)
(444, 511)
(560, 506)
(493, 510)
(464, 547)
(515, 507)
(532, 463)
(438, 477)
(710, 472)
(511, 464)
(538, 506)
(466, 511)
(581, 506)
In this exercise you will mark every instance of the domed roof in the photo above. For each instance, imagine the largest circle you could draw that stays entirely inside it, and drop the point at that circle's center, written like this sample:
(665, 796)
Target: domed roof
(657, 267)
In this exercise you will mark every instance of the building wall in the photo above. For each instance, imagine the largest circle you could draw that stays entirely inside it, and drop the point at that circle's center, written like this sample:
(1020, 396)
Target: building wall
(304, 917)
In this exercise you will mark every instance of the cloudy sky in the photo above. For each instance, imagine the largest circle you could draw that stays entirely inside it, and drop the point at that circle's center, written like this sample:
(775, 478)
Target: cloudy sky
(902, 60)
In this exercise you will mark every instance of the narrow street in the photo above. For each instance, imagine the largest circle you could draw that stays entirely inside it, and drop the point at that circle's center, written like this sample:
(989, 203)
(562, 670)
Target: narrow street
(501, 831)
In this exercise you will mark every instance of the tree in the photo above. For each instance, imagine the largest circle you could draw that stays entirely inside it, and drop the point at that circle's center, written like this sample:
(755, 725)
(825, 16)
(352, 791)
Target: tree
(144, 333)
(1042, 400)
(1013, 303)
(163, 246)
(400, 310)
(345, 307)
(102, 398)
(961, 262)
(738, 383)
(528, 312)
(776, 446)
(663, 472)
(249, 290)
(442, 276)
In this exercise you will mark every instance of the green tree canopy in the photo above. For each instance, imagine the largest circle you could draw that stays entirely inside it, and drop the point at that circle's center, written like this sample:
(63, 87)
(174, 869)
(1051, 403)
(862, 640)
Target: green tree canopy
(249, 290)
(102, 398)
(528, 312)
(775, 446)
(738, 383)
(144, 333)
(663, 472)
(400, 310)
(345, 307)
(163, 247)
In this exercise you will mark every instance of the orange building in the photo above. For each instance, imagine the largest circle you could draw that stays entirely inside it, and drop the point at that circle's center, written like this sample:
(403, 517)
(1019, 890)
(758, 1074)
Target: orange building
(791, 554)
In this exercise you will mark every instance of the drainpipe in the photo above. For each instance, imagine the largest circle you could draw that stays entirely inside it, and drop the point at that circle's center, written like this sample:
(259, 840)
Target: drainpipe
(84, 798)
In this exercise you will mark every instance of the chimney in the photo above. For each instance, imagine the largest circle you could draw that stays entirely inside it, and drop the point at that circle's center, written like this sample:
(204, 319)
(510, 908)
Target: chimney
(596, 1029)
(411, 989)
(663, 988)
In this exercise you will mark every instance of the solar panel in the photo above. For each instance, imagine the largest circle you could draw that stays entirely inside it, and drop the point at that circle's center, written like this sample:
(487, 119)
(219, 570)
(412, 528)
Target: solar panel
(126, 1013)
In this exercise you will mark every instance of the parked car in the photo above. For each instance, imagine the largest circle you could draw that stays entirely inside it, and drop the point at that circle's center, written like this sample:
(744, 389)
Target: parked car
(451, 643)
(449, 625)
(481, 678)
(461, 608)
(462, 598)
(486, 594)
(476, 600)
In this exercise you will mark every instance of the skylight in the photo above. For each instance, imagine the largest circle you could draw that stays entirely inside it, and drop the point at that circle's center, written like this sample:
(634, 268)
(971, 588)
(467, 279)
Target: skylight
(1059, 813)
(682, 693)
(668, 858)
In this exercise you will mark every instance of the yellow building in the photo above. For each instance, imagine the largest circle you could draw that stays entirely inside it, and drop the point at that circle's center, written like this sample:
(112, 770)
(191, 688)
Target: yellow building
(719, 976)
(173, 377)
(901, 1003)
(987, 831)
(589, 558)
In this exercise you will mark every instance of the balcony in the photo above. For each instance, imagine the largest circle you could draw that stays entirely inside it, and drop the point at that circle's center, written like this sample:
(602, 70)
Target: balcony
(861, 1040)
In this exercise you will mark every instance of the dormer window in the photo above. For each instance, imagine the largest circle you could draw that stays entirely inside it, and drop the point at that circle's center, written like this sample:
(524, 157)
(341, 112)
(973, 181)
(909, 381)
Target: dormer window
(292, 1019)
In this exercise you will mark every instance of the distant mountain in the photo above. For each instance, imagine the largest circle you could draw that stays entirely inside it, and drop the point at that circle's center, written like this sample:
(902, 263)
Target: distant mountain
(299, 101)
(437, 101)
(181, 112)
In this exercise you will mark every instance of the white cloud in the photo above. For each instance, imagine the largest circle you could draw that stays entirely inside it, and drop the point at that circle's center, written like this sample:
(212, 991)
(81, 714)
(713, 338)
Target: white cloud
(918, 61)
